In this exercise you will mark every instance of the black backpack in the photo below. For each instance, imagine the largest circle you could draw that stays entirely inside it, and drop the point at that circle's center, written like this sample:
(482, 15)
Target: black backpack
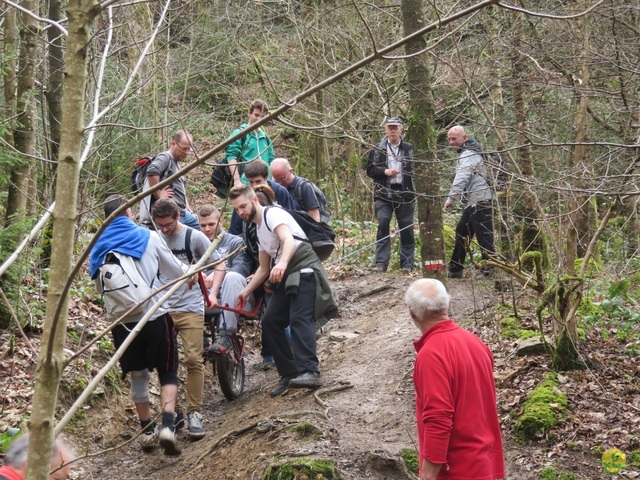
(139, 174)
(496, 171)
(319, 234)
(221, 177)
(325, 215)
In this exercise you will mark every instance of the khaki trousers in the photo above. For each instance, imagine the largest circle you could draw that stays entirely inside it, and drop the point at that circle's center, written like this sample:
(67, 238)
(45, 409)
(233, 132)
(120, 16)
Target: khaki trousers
(190, 327)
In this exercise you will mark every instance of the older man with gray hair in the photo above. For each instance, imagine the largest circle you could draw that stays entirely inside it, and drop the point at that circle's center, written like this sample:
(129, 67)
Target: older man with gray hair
(15, 460)
(458, 427)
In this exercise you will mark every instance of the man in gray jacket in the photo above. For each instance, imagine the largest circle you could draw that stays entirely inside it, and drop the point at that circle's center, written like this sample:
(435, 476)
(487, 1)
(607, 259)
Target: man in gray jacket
(475, 193)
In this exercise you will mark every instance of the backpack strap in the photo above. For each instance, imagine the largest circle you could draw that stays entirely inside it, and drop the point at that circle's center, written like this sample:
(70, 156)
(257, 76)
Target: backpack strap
(269, 228)
(187, 247)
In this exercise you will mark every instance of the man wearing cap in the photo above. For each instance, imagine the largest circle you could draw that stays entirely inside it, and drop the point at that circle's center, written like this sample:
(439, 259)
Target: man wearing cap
(390, 165)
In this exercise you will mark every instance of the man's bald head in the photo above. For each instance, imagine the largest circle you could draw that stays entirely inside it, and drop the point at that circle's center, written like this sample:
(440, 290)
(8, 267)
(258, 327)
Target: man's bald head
(282, 172)
(456, 136)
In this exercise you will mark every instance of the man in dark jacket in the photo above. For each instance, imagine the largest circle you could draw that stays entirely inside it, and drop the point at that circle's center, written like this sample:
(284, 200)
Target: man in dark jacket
(390, 165)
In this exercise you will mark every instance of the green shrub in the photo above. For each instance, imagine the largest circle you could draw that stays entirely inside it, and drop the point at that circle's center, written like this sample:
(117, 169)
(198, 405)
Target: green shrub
(410, 458)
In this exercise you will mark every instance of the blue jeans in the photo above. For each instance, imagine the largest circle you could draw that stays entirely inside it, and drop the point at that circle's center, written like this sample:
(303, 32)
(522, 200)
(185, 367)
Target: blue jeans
(190, 220)
(404, 216)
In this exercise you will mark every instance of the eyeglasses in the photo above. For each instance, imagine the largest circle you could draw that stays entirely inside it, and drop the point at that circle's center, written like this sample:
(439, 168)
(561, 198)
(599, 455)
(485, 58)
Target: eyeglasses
(167, 226)
(185, 149)
(282, 179)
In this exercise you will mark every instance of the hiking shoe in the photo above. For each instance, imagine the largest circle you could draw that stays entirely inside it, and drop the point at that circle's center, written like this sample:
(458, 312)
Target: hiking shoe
(221, 345)
(268, 362)
(196, 430)
(380, 267)
(178, 421)
(281, 387)
(168, 442)
(407, 269)
(487, 272)
(455, 274)
(306, 380)
(149, 438)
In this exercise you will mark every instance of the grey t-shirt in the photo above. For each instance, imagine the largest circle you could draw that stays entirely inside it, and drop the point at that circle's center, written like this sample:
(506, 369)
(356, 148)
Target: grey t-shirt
(188, 299)
(164, 165)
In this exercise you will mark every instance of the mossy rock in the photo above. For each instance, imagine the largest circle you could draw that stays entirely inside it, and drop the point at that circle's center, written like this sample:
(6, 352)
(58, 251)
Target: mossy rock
(306, 431)
(303, 469)
(550, 473)
(544, 406)
(410, 459)
(509, 327)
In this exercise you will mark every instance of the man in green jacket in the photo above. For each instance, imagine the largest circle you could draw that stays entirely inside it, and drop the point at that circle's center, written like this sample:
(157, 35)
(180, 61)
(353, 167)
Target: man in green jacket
(254, 145)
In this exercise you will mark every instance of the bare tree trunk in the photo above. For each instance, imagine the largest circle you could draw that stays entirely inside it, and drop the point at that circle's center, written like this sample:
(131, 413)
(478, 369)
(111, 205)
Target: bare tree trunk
(81, 14)
(24, 135)
(55, 58)
(566, 329)
(422, 133)
(532, 238)
(8, 71)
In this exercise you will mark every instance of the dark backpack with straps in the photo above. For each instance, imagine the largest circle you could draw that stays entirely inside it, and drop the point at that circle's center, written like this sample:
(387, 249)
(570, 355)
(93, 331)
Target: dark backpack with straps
(319, 234)
(325, 215)
(139, 174)
(221, 177)
(496, 171)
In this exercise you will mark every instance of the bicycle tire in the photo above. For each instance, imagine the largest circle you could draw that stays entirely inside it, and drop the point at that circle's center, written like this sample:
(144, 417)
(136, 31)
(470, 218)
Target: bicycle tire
(231, 375)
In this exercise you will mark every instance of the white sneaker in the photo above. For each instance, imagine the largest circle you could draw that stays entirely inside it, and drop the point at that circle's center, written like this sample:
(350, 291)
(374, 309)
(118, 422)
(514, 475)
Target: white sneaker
(196, 430)
(168, 442)
(149, 439)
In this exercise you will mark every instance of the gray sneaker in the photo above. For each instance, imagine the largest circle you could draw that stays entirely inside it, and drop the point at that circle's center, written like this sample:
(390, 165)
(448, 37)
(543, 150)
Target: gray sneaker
(306, 380)
(168, 442)
(196, 430)
(149, 439)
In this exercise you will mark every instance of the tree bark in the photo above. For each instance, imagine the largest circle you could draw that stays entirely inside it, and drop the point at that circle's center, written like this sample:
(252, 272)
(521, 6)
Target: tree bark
(81, 14)
(422, 133)
(9, 46)
(24, 135)
(55, 58)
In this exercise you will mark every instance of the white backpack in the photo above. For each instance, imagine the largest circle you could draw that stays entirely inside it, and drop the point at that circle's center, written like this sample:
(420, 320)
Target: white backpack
(122, 285)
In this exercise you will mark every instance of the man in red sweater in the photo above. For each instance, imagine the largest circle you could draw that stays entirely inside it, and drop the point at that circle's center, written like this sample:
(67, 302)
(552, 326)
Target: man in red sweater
(15, 460)
(458, 427)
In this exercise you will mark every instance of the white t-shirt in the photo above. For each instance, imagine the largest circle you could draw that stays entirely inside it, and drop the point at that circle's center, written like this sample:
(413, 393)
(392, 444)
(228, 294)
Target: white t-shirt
(268, 240)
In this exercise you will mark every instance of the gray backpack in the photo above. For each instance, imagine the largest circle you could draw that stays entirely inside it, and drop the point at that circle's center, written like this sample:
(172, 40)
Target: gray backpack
(122, 286)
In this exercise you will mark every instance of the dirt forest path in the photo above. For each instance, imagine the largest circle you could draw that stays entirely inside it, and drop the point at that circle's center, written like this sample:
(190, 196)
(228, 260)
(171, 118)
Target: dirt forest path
(363, 424)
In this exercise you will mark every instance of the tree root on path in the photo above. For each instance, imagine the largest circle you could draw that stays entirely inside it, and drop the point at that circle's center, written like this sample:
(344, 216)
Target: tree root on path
(325, 391)
(263, 426)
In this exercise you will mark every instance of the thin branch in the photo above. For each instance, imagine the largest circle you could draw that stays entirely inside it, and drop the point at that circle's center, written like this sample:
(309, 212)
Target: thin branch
(37, 18)
(546, 15)
(15, 319)
(34, 231)
(366, 26)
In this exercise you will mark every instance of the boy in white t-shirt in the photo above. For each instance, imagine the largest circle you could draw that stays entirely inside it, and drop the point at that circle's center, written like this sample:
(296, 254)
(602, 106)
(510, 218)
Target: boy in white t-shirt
(283, 244)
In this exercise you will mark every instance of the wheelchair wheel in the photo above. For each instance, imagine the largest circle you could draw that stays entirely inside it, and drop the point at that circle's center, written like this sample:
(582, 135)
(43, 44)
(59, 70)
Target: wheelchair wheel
(230, 373)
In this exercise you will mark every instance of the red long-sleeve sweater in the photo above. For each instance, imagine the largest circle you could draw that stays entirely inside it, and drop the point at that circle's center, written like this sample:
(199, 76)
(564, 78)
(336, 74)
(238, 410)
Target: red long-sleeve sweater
(456, 404)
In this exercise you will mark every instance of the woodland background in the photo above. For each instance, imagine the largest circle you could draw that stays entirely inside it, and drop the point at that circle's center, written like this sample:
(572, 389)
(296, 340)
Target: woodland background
(554, 86)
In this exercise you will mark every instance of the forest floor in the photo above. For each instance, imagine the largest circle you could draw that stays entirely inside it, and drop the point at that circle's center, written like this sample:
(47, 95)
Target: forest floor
(365, 411)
